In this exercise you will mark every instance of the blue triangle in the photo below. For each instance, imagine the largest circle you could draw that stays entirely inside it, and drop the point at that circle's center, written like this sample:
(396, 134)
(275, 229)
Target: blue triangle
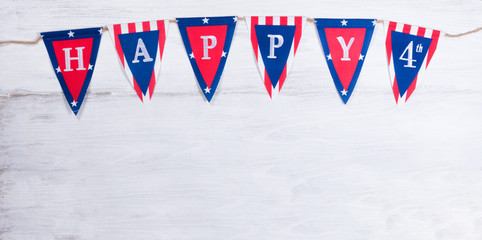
(50, 37)
(405, 71)
(142, 71)
(274, 66)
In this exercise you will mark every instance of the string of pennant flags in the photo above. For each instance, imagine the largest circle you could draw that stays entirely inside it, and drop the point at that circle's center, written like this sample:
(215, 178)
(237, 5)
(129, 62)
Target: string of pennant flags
(274, 39)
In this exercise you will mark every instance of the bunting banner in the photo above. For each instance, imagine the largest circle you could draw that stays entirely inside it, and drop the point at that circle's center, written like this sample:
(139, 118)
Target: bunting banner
(275, 41)
(345, 44)
(73, 54)
(409, 51)
(207, 41)
(140, 47)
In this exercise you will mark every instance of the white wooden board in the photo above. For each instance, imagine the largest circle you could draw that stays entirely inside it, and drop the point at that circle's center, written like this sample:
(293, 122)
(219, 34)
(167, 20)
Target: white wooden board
(243, 167)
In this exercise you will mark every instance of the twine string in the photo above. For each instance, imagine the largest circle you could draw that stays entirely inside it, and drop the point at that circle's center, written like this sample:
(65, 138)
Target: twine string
(463, 34)
(22, 42)
(310, 20)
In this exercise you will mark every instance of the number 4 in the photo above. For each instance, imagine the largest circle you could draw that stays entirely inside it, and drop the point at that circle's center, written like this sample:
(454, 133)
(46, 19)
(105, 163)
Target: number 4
(409, 58)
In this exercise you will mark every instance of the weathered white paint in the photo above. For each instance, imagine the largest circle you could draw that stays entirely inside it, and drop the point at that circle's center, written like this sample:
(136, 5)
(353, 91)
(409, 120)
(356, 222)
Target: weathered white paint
(242, 167)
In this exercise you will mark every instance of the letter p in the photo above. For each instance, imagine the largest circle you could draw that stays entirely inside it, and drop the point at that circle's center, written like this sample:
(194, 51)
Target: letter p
(272, 44)
(207, 46)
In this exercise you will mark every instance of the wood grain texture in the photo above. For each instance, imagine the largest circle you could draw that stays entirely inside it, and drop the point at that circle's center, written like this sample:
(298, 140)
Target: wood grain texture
(243, 167)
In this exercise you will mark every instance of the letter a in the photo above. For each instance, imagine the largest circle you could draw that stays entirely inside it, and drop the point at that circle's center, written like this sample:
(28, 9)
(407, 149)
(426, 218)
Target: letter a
(346, 55)
(206, 46)
(272, 46)
(141, 50)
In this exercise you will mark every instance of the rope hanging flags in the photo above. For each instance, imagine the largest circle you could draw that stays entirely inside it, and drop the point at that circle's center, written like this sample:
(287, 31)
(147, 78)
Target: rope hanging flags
(73, 54)
(345, 44)
(275, 41)
(140, 47)
(207, 42)
(409, 51)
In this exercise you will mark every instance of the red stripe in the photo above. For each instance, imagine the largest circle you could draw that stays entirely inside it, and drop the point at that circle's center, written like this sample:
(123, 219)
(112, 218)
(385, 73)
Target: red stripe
(421, 32)
(269, 21)
(146, 26)
(283, 21)
(433, 45)
(152, 84)
(117, 31)
(411, 88)
(162, 37)
(267, 83)
(254, 40)
(138, 89)
(396, 93)
(391, 27)
(282, 78)
(131, 27)
(406, 28)
(299, 26)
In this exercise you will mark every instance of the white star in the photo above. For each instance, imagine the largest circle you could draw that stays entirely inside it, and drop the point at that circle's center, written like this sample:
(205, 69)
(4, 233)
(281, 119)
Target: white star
(205, 20)
(191, 55)
(329, 56)
(90, 66)
(58, 69)
(343, 93)
(207, 90)
(71, 34)
(224, 54)
(374, 22)
(73, 103)
(235, 19)
(101, 30)
(343, 23)
(361, 57)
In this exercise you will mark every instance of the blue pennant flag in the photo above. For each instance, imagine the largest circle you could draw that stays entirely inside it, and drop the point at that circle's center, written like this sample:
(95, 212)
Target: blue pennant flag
(73, 54)
(275, 40)
(345, 44)
(207, 41)
(140, 46)
(409, 51)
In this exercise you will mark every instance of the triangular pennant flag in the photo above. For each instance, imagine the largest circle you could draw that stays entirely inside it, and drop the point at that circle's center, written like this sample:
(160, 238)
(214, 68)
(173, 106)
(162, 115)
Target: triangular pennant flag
(73, 54)
(207, 41)
(140, 46)
(409, 51)
(275, 41)
(345, 44)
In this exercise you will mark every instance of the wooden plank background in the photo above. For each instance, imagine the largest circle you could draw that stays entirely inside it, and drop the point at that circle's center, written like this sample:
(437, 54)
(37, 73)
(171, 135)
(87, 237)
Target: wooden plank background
(242, 167)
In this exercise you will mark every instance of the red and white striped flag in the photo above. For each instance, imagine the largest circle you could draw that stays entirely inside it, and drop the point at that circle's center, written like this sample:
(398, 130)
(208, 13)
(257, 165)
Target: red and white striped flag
(275, 41)
(409, 51)
(140, 46)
